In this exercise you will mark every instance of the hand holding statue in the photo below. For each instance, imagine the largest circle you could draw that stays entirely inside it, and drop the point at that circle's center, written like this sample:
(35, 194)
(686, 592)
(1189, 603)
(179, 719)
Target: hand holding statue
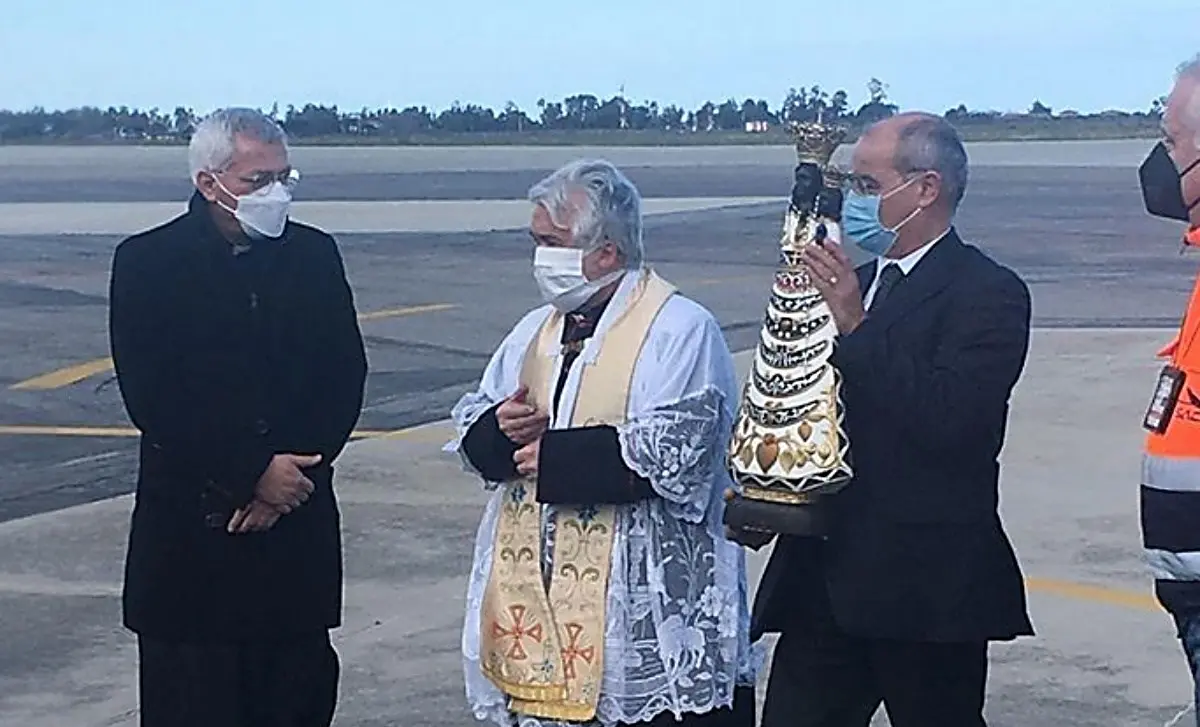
(832, 273)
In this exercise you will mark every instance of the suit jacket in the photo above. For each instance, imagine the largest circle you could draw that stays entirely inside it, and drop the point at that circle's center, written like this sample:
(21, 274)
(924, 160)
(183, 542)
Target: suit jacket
(918, 551)
(224, 360)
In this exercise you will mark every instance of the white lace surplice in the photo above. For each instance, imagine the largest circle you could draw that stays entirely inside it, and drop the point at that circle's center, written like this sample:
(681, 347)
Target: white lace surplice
(677, 632)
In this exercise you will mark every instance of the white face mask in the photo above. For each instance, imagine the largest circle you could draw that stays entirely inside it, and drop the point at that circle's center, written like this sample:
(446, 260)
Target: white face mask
(263, 212)
(559, 275)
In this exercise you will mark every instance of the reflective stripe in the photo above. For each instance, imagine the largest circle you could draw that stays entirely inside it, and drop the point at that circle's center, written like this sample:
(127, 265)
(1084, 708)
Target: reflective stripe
(1175, 474)
(1170, 492)
(1169, 519)
(1168, 566)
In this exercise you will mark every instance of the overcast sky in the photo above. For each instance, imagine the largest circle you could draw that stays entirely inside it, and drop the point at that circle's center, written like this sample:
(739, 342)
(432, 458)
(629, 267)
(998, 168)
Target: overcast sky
(933, 54)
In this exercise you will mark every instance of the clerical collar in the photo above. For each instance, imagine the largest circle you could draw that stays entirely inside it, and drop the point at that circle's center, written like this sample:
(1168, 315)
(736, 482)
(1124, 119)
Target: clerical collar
(585, 319)
(200, 209)
(579, 325)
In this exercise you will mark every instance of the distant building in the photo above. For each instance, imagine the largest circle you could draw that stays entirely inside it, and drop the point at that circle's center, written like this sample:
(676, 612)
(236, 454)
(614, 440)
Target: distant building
(757, 127)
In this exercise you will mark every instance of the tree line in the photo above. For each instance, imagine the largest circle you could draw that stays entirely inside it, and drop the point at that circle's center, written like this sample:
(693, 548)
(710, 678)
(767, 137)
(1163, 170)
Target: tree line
(577, 113)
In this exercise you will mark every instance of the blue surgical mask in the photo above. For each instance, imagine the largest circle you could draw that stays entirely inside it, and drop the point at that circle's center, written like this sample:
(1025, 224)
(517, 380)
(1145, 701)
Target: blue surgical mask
(861, 223)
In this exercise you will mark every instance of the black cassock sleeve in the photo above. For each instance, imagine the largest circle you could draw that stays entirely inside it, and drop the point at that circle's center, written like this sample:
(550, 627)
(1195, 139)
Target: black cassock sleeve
(337, 405)
(584, 467)
(489, 449)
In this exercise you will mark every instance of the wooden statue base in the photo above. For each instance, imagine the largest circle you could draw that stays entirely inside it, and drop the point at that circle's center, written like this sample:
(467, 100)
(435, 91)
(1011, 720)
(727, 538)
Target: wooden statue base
(806, 520)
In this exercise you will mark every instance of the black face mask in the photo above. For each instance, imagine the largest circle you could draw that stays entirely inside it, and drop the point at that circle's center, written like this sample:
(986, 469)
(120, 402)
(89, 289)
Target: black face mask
(1162, 185)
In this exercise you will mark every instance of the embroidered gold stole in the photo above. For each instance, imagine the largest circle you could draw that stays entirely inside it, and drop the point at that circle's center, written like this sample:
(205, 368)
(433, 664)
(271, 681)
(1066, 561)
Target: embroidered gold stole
(544, 647)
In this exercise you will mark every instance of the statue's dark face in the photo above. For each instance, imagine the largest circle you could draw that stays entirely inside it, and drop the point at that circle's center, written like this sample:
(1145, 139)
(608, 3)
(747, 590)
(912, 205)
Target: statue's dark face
(829, 204)
(808, 183)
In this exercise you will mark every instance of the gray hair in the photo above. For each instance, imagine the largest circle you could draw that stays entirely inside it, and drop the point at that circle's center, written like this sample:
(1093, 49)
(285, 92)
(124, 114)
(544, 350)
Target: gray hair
(213, 142)
(931, 143)
(1191, 111)
(1189, 68)
(613, 207)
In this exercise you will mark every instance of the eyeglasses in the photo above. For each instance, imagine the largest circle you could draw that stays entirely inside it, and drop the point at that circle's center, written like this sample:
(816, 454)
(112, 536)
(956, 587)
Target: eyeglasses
(866, 184)
(288, 178)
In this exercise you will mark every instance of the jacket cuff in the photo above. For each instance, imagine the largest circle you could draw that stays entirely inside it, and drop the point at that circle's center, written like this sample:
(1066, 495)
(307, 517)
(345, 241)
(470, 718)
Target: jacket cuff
(238, 482)
(489, 450)
(584, 467)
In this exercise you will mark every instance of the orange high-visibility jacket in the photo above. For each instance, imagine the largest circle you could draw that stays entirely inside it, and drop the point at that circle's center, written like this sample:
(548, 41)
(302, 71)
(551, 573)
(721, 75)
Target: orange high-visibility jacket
(1170, 491)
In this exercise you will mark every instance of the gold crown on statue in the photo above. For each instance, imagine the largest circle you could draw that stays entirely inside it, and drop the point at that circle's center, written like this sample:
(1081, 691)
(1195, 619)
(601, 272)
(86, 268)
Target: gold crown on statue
(816, 142)
(835, 177)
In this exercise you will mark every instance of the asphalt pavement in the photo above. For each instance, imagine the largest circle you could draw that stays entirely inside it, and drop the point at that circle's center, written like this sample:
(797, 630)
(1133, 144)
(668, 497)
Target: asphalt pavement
(436, 303)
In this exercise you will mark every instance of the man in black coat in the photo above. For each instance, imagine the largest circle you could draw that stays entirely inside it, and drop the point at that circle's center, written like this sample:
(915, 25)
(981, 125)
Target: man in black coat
(899, 603)
(239, 357)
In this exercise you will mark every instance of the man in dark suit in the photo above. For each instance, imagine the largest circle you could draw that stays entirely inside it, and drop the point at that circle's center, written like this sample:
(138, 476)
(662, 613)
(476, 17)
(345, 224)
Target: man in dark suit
(899, 603)
(238, 355)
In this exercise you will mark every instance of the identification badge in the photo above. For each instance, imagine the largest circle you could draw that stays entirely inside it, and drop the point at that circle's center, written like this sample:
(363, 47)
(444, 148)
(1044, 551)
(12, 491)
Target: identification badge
(1166, 395)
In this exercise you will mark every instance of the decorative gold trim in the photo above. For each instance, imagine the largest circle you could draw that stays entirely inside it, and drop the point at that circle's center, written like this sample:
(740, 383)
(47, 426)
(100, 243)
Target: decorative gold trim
(779, 417)
(800, 305)
(816, 142)
(543, 644)
(560, 712)
(789, 330)
(788, 357)
(782, 387)
(777, 496)
(835, 177)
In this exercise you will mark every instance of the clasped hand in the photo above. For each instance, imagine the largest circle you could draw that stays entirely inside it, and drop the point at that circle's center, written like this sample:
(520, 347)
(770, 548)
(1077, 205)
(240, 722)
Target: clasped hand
(282, 488)
(832, 273)
(523, 424)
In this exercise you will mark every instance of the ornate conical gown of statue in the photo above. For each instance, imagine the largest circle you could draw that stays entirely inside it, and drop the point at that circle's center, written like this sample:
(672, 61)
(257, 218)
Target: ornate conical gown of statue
(789, 450)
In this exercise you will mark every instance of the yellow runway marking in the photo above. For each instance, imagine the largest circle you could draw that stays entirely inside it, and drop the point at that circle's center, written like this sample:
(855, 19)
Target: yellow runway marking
(65, 376)
(1095, 594)
(1136, 600)
(410, 310)
(51, 431)
(60, 378)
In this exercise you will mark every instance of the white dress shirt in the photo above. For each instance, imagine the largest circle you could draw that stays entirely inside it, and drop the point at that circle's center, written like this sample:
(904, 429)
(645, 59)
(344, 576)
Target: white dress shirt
(906, 263)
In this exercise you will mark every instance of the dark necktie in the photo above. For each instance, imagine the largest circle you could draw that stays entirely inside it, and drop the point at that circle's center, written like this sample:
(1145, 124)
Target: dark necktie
(888, 277)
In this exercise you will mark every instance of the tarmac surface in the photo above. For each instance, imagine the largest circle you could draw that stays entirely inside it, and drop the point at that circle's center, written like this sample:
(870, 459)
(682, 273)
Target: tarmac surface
(1108, 282)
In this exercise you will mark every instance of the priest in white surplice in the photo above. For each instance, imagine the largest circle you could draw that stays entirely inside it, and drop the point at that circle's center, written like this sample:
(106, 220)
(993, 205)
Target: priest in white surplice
(603, 589)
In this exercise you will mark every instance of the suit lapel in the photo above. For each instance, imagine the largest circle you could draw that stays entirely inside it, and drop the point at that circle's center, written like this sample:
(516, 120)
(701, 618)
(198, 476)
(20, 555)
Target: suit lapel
(932, 274)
